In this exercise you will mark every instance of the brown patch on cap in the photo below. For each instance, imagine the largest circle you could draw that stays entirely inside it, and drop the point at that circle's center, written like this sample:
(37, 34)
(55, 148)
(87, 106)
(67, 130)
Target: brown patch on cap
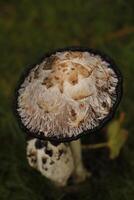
(83, 71)
(104, 105)
(56, 77)
(30, 79)
(73, 77)
(72, 68)
(81, 106)
(50, 61)
(61, 86)
(73, 115)
(81, 96)
(64, 70)
(74, 54)
(64, 65)
(36, 73)
(68, 55)
(47, 82)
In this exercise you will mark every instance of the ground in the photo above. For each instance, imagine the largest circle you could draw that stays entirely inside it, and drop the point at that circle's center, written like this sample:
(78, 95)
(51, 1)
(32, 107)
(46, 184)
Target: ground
(29, 28)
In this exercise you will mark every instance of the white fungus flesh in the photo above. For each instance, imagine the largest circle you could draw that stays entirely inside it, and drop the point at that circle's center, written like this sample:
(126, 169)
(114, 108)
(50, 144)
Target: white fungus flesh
(68, 93)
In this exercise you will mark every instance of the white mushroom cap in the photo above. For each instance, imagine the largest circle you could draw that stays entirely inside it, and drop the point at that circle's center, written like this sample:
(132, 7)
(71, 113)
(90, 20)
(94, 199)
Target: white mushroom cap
(68, 93)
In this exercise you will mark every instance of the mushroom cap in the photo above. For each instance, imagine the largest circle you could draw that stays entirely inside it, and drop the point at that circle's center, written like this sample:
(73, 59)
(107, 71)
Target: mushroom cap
(70, 92)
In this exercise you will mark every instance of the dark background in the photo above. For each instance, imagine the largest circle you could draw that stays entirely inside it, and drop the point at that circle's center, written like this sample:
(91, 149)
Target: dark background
(29, 28)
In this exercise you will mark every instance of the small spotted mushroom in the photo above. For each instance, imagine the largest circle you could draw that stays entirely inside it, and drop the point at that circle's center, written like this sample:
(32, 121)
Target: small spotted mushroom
(71, 92)
(54, 160)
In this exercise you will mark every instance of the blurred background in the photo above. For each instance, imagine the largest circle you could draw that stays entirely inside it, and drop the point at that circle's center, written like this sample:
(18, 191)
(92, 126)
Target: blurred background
(30, 28)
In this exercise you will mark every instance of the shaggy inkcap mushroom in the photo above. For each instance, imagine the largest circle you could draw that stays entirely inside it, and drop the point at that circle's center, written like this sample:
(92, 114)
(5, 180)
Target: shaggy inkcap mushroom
(70, 92)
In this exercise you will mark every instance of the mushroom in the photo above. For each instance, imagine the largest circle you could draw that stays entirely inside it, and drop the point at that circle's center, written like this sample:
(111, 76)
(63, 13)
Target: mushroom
(52, 159)
(71, 92)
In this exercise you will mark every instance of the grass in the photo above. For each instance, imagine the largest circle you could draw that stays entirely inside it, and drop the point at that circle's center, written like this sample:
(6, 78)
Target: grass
(29, 28)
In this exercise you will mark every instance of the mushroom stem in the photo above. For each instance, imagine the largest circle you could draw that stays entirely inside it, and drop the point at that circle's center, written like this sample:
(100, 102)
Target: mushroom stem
(76, 151)
(80, 173)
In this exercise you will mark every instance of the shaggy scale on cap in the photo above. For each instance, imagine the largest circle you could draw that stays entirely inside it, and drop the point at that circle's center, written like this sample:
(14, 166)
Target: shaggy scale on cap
(69, 92)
